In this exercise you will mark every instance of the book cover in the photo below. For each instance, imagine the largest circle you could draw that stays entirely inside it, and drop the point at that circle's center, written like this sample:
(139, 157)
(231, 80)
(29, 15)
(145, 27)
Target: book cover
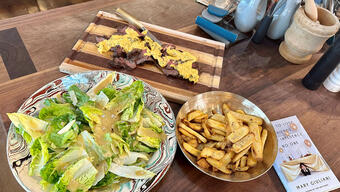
(299, 164)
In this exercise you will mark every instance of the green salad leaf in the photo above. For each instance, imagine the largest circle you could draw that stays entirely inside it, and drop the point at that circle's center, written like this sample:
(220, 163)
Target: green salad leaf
(76, 96)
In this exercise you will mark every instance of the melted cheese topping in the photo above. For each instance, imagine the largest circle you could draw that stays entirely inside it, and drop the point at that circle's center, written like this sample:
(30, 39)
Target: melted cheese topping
(131, 40)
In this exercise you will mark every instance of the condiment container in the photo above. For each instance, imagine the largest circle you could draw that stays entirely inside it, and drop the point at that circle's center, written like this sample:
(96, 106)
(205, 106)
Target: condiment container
(305, 37)
(332, 83)
(282, 18)
(248, 13)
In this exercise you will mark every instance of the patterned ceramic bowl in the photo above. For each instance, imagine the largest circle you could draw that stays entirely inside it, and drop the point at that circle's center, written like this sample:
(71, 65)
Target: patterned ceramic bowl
(18, 152)
(213, 100)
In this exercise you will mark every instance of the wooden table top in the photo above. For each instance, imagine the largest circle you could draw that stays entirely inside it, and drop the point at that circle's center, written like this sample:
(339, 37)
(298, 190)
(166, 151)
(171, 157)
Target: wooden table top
(32, 47)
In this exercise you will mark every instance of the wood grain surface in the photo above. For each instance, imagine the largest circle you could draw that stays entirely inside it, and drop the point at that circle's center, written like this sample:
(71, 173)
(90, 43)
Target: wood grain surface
(256, 72)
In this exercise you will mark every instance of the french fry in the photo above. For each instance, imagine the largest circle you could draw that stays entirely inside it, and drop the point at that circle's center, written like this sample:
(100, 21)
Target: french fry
(225, 108)
(194, 114)
(214, 111)
(193, 142)
(194, 126)
(211, 144)
(239, 155)
(206, 130)
(233, 122)
(243, 161)
(238, 134)
(240, 111)
(218, 117)
(191, 150)
(212, 152)
(214, 169)
(203, 163)
(242, 169)
(228, 129)
(201, 118)
(264, 137)
(216, 124)
(227, 157)
(189, 130)
(260, 127)
(251, 161)
(243, 143)
(184, 132)
(256, 147)
(219, 165)
(247, 118)
(186, 138)
(222, 144)
(217, 131)
(237, 164)
(216, 137)
(230, 166)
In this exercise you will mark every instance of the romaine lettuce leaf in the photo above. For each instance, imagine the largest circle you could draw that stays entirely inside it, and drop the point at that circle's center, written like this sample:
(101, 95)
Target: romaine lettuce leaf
(80, 176)
(108, 179)
(109, 91)
(150, 141)
(132, 172)
(91, 114)
(152, 120)
(92, 148)
(40, 156)
(80, 97)
(140, 147)
(54, 110)
(28, 126)
(57, 165)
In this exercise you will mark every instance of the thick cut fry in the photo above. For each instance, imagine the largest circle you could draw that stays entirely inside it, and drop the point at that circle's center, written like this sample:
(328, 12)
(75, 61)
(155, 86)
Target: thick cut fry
(201, 118)
(216, 124)
(217, 131)
(225, 108)
(243, 161)
(200, 137)
(211, 152)
(194, 114)
(191, 150)
(237, 164)
(216, 137)
(206, 130)
(214, 169)
(240, 111)
(242, 169)
(247, 118)
(251, 161)
(218, 117)
(184, 132)
(239, 155)
(227, 157)
(228, 130)
(233, 122)
(203, 163)
(222, 144)
(193, 142)
(256, 147)
(186, 138)
(260, 127)
(264, 137)
(238, 134)
(219, 165)
(243, 143)
(211, 144)
(194, 126)
(230, 166)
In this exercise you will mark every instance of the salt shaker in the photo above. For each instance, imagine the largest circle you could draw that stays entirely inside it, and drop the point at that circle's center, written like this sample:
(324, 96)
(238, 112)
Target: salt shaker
(332, 83)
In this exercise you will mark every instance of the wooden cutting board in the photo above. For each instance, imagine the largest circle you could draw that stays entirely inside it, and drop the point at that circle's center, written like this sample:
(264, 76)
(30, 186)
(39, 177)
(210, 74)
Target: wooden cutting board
(210, 53)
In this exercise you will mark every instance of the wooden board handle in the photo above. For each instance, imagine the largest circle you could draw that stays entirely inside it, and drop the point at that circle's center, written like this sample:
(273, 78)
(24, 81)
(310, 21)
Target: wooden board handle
(127, 17)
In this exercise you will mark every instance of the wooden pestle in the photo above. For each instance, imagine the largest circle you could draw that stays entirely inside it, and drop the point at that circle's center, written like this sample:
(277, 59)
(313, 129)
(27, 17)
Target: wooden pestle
(311, 10)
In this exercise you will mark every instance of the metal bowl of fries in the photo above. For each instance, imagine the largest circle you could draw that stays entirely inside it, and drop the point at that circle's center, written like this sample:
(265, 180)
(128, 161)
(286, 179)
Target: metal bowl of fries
(226, 136)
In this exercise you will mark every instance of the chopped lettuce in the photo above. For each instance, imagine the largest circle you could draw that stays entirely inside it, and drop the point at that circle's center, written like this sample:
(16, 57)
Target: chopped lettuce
(91, 114)
(140, 147)
(108, 179)
(150, 141)
(109, 91)
(54, 110)
(132, 172)
(76, 96)
(125, 97)
(40, 156)
(119, 146)
(29, 127)
(92, 148)
(131, 158)
(57, 165)
(133, 112)
(80, 176)
(152, 120)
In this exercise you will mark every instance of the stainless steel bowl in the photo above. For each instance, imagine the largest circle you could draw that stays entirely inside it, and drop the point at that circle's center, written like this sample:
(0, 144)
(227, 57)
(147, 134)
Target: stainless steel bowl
(213, 100)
